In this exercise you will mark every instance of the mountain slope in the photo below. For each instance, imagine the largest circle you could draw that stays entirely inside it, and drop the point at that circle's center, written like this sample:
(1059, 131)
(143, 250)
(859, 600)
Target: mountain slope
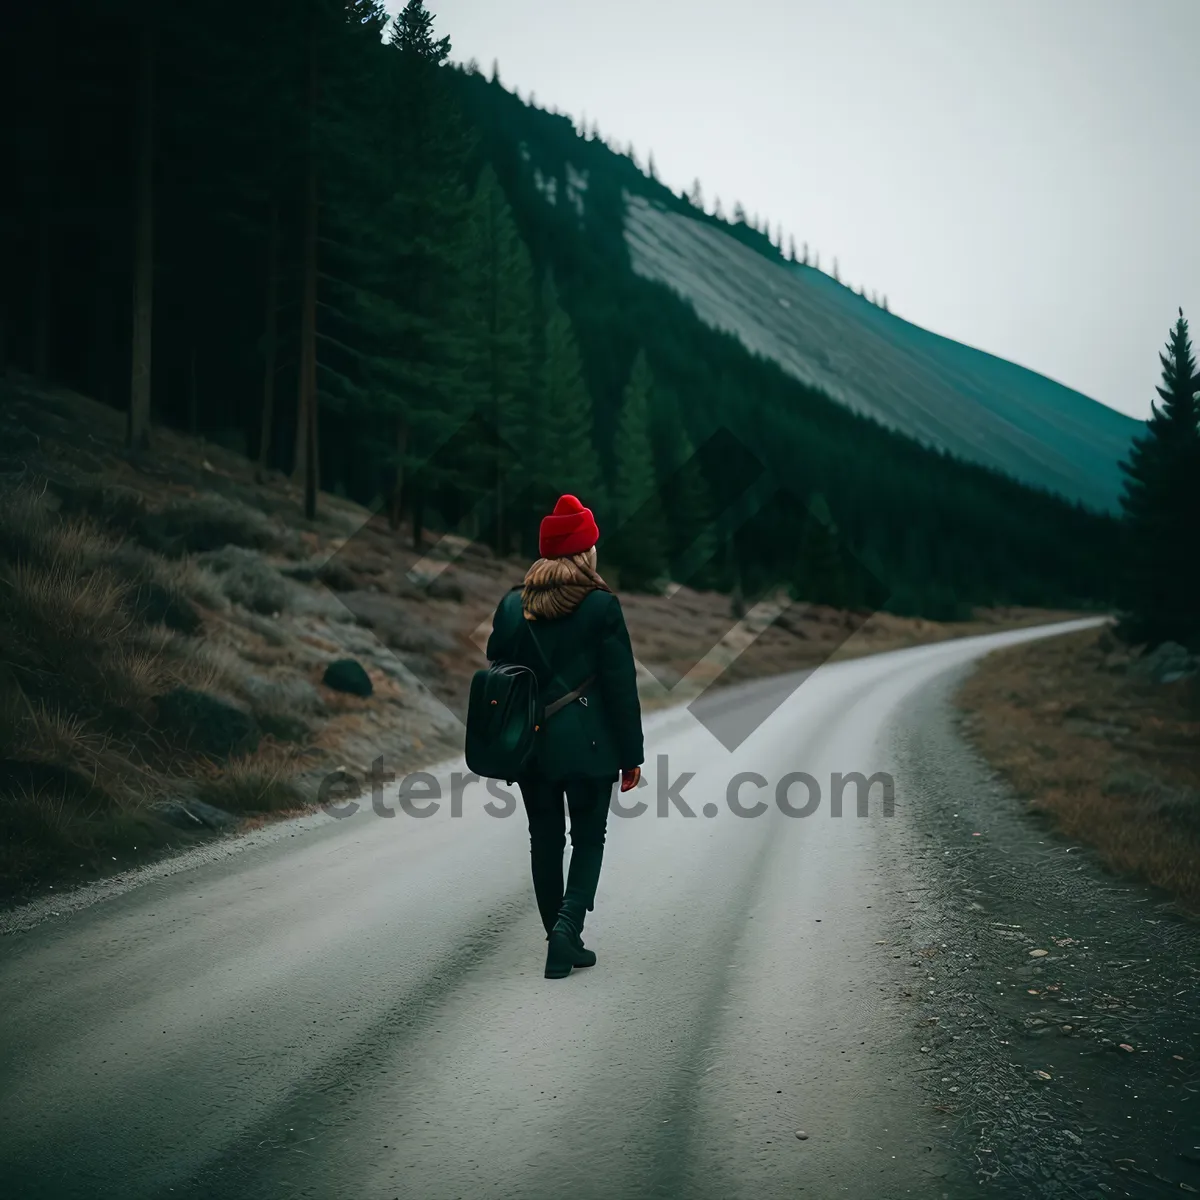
(933, 522)
(936, 390)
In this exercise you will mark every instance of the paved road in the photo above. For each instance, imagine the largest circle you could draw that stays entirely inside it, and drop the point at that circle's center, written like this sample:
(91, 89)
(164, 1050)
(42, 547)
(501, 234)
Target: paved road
(357, 1008)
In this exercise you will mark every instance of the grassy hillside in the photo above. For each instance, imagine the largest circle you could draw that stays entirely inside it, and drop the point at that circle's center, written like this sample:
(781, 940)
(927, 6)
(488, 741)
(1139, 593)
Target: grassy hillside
(938, 391)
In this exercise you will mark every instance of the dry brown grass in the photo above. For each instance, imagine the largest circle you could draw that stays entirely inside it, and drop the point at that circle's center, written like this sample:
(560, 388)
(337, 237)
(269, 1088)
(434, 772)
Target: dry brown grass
(1111, 758)
(255, 783)
(85, 655)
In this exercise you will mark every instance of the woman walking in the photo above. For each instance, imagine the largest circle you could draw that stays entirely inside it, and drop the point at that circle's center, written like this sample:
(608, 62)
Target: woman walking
(566, 625)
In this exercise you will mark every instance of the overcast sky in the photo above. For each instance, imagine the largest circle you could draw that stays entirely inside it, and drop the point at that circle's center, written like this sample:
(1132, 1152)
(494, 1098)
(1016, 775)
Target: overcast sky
(1023, 175)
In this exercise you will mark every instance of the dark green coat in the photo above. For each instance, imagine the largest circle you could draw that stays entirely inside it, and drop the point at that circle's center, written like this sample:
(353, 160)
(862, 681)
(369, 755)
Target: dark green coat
(604, 736)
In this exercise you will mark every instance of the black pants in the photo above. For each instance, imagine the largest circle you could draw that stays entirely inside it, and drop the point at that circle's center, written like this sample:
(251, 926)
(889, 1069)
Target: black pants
(587, 800)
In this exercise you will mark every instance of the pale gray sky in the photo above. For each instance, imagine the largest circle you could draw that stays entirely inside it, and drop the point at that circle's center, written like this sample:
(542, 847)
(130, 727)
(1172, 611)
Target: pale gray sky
(1023, 175)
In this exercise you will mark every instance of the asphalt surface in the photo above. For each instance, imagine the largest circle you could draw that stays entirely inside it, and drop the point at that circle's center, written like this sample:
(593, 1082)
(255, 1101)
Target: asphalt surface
(356, 1007)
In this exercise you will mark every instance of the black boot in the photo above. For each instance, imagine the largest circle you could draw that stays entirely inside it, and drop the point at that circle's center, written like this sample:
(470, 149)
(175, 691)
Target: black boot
(566, 950)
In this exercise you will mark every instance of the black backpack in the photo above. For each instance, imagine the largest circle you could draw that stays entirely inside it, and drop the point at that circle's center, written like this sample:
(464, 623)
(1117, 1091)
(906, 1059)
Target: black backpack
(505, 714)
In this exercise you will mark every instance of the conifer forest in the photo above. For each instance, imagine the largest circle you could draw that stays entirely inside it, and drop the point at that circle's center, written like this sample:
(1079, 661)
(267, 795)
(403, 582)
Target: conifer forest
(302, 231)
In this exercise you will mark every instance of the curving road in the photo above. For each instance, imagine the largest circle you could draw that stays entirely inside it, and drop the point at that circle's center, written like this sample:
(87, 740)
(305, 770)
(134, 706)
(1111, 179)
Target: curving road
(356, 1007)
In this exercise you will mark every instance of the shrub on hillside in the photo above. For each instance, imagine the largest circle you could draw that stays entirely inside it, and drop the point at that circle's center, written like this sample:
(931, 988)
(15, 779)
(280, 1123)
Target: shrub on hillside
(197, 524)
(115, 507)
(247, 580)
(205, 724)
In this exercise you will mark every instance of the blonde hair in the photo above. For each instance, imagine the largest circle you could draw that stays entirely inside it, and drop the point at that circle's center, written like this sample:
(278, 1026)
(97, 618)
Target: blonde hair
(554, 587)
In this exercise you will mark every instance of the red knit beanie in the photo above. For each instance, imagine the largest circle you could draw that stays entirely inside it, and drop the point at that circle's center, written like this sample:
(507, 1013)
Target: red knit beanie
(569, 529)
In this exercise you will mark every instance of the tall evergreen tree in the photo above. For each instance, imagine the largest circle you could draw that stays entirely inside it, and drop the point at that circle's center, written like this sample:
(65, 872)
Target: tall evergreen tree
(820, 571)
(504, 302)
(412, 34)
(639, 545)
(306, 466)
(420, 264)
(692, 541)
(1161, 502)
(562, 443)
(138, 427)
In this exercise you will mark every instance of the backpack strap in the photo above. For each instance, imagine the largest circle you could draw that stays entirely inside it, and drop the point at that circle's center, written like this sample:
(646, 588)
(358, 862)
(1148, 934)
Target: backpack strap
(538, 647)
(569, 698)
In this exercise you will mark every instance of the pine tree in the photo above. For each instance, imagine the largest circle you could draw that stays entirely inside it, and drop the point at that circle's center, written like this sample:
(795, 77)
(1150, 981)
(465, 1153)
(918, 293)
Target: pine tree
(503, 302)
(138, 427)
(692, 541)
(416, 271)
(639, 543)
(1161, 504)
(820, 571)
(696, 196)
(562, 444)
(270, 344)
(412, 34)
(791, 249)
(306, 460)
(835, 271)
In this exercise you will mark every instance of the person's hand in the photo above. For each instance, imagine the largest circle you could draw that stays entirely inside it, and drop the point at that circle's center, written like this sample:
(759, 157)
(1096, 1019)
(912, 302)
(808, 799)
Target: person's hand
(630, 777)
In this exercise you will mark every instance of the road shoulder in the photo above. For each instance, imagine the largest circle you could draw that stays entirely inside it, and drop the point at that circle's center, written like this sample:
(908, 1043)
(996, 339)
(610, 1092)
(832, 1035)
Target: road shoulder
(1059, 1005)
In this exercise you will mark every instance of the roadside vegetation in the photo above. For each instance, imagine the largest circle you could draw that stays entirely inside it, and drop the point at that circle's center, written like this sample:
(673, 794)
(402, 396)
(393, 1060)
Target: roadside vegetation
(1104, 743)
(1101, 730)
